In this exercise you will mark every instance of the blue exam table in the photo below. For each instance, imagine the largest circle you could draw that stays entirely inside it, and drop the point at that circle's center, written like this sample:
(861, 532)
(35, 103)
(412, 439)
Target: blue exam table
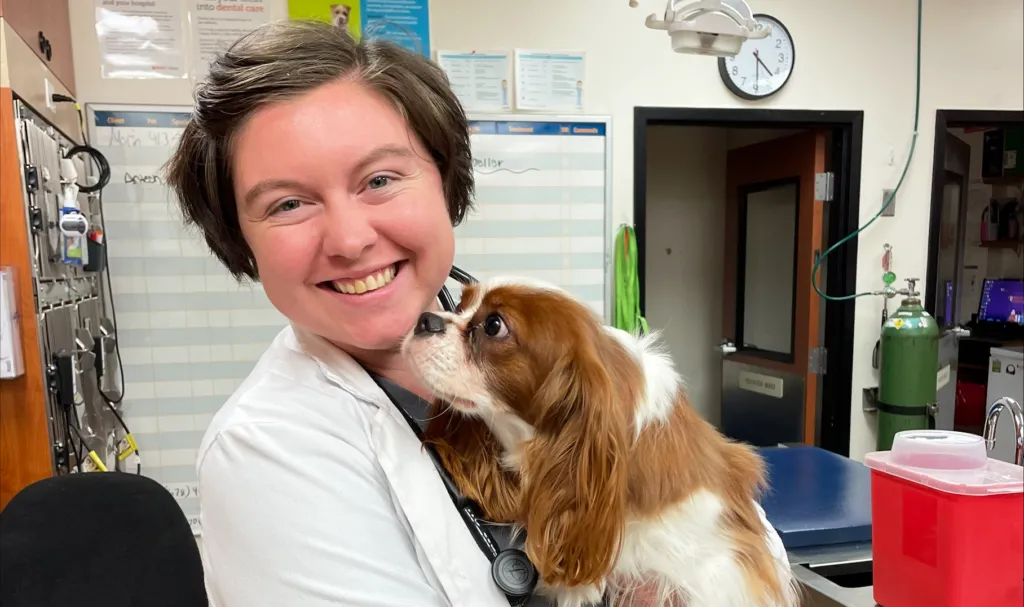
(820, 504)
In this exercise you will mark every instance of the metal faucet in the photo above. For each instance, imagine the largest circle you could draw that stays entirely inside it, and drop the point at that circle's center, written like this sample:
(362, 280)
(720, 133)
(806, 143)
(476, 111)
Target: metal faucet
(1018, 425)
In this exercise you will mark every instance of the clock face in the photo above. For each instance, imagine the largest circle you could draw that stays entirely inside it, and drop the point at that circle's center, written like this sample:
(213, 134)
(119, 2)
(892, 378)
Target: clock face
(762, 67)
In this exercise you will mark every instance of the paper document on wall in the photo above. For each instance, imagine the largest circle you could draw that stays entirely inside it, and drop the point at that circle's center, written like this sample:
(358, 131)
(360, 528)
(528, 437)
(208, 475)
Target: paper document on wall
(11, 363)
(481, 81)
(216, 25)
(551, 81)
(141, 39)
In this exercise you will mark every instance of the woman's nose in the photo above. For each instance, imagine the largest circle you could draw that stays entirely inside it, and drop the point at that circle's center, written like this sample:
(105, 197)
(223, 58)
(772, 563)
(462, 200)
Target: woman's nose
(349, 229)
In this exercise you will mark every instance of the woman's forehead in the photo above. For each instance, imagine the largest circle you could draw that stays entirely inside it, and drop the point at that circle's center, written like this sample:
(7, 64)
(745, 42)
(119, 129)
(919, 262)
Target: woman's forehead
(343, 122)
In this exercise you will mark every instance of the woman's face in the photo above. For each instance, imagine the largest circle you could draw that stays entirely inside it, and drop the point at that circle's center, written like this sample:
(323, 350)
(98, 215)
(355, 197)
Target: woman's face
(345, 214)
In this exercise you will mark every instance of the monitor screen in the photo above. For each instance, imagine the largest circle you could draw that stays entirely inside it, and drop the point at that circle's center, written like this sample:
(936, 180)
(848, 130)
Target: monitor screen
(1002, 301)
(949, 303)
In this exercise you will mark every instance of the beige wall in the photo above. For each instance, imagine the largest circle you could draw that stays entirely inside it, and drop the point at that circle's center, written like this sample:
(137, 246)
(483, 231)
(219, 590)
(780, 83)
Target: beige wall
(850, 56)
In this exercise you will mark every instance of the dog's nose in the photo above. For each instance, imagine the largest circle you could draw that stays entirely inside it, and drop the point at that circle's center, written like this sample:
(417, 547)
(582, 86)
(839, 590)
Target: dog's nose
(429, 323)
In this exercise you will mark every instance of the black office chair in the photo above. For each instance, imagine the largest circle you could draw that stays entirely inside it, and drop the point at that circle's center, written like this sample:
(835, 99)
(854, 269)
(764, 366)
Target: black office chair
(100, 539)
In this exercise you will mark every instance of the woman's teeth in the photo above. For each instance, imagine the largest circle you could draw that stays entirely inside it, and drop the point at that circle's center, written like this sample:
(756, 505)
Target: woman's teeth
(367, 283)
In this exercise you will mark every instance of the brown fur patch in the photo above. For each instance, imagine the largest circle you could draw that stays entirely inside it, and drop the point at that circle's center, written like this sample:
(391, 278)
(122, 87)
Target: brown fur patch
(472, 456)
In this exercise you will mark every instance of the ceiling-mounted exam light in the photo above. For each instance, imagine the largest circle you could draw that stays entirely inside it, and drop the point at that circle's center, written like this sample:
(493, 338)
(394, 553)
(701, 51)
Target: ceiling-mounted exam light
(708, 27)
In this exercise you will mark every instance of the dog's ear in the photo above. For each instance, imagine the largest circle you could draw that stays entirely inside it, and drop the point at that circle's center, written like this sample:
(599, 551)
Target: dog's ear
(575, 469)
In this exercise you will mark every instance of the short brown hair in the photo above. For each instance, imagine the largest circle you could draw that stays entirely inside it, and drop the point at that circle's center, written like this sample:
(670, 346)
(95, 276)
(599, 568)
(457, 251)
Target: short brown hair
(282, 60)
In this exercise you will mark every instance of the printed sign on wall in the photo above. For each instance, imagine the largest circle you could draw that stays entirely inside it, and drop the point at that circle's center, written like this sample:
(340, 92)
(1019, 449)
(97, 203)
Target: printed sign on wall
(761, 384)
(405, 22)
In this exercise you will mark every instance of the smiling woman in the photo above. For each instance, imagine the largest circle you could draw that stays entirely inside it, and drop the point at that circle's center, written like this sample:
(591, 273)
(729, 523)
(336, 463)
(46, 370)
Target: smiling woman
(332, 172)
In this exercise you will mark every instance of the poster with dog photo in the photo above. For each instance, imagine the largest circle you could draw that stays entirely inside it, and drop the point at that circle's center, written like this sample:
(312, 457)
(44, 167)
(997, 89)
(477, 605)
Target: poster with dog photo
(404, 22)
(340, 13)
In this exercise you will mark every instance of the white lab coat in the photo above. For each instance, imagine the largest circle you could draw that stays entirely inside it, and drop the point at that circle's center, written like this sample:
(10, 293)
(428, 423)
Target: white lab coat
(315, 492)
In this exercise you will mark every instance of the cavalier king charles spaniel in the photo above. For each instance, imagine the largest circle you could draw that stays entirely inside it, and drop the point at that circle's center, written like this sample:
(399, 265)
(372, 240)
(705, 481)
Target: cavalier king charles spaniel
(582, 435)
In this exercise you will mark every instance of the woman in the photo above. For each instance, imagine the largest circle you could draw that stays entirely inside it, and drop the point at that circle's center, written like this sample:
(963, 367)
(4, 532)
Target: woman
(332, 172)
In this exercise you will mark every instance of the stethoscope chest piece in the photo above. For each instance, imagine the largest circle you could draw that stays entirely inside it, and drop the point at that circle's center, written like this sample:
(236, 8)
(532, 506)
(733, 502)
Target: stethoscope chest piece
(514, 573)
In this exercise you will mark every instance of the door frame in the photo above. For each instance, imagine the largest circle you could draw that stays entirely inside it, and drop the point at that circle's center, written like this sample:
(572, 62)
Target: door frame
(945, 119)
(833, 431)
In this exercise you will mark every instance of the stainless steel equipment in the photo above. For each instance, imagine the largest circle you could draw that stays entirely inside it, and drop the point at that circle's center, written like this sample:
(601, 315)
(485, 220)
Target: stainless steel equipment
(69, 306)
(992, 422)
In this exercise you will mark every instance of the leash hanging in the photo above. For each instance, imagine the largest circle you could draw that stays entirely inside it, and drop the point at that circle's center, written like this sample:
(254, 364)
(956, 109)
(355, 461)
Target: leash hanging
(627, 284)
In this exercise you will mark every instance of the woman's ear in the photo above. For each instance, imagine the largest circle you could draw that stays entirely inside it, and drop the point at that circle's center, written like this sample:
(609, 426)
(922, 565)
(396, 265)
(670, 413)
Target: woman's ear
(575, 472)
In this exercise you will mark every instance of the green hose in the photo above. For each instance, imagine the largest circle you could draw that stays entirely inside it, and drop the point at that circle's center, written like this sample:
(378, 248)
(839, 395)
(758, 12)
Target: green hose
(892, 196)
(627, 284)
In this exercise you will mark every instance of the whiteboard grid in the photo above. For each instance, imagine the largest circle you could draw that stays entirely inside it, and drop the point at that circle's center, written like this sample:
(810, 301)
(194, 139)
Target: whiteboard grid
(189, 334)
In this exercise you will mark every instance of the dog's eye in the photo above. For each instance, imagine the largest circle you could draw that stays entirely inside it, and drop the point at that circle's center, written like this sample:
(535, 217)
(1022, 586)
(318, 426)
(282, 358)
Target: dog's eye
(494, 326)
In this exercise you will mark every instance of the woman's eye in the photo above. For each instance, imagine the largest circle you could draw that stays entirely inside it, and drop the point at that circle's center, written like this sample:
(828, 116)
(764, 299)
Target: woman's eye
(287, 205)
(379, 182)
(494, 326)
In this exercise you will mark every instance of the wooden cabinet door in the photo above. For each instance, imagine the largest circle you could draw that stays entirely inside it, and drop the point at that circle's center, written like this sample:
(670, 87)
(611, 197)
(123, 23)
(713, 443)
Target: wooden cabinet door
(30, 18)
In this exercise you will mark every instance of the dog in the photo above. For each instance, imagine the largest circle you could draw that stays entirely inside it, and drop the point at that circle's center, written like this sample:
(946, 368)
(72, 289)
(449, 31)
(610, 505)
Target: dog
(581, 435)
(340, 15)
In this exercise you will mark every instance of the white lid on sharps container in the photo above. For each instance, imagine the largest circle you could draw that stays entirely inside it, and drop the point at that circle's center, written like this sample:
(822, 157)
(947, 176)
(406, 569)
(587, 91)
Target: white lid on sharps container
(952, 462)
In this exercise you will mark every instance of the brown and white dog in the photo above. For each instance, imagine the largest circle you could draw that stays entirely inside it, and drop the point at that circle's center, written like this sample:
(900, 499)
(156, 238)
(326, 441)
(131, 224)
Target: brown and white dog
(340, 15)
(582, 435)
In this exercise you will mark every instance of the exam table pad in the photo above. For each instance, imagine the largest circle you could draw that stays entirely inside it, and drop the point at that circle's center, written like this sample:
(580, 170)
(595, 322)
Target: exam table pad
(816, 497)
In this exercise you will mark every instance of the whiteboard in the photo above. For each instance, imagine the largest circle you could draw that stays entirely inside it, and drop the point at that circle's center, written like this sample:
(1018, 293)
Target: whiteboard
(189, 334)
(543, 203)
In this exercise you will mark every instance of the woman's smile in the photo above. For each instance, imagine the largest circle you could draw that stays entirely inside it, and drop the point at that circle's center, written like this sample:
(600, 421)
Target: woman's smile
(369, 289)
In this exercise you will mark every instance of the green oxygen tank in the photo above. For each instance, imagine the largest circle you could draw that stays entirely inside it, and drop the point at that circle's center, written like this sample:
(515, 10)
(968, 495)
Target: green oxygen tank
(909, 361)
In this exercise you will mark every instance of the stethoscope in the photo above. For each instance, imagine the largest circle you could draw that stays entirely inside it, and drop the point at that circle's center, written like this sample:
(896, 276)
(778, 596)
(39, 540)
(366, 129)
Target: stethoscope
(447, 302)
(511, 569)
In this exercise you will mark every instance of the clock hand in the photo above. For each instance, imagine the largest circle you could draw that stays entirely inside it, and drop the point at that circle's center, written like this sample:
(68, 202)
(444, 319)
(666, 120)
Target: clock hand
(757, 56)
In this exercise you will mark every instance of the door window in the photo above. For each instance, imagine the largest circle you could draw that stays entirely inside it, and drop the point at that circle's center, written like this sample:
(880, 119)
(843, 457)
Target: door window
(767, 269)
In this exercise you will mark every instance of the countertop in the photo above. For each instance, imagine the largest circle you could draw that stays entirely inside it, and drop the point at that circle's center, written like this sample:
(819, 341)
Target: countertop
(823, 592)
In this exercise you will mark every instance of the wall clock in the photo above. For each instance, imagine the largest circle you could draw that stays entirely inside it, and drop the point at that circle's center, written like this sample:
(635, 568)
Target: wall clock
(762, 67)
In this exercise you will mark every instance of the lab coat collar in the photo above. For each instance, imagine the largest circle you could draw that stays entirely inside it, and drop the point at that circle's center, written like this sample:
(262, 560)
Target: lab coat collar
(450, 550)
(339, 368)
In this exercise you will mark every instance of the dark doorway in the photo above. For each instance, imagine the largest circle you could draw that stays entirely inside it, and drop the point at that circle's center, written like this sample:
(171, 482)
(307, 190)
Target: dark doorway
(829, 142)
(975, 280)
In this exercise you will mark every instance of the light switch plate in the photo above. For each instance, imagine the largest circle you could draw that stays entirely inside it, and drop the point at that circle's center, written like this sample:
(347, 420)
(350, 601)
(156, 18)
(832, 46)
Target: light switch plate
(890, 211)
(50, 103)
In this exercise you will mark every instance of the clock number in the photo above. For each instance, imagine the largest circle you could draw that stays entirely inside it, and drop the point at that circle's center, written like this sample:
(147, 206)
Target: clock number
(744, 80)
(735, 70)
(755, 86)
(776, 71)
(778, 43)
(782, 57)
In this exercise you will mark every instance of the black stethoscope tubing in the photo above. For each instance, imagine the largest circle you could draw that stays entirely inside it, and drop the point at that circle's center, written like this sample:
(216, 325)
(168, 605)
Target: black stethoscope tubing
(463, 277)
(511, 569)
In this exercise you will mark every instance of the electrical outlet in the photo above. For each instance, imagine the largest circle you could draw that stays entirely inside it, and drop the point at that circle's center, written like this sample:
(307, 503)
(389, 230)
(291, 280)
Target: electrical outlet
(889, 211)
(50, 103)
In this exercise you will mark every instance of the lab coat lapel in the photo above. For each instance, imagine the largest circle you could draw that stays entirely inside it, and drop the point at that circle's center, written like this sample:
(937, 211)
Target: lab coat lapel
(418, 491)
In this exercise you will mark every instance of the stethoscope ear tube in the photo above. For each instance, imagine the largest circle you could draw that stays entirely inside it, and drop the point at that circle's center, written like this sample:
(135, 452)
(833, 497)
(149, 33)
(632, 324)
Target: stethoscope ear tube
(447, 301)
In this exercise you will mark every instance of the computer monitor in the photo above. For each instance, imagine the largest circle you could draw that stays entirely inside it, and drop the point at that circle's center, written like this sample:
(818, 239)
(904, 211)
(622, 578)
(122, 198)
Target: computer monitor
(1002, 300)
